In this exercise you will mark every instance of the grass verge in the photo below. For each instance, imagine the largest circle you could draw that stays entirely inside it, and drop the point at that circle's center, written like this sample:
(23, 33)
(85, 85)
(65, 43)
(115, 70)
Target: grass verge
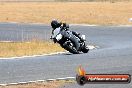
(103, 13)
(12, 49)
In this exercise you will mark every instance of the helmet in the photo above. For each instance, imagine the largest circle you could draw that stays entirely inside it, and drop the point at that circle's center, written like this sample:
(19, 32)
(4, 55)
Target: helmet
(54, 24)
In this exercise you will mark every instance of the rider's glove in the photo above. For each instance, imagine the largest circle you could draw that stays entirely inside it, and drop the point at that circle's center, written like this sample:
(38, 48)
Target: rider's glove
(51, 37)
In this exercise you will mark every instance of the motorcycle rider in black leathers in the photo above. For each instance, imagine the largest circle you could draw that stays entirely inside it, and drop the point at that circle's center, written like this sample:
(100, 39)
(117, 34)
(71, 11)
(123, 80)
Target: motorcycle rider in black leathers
(55, 24)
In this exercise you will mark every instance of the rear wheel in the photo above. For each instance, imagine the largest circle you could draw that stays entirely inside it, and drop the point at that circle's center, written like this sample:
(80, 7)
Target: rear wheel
(69, 46)
(84, 49)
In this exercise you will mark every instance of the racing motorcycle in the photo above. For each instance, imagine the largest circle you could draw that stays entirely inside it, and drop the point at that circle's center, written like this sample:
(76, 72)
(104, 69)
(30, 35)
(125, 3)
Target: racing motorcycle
(69, 41)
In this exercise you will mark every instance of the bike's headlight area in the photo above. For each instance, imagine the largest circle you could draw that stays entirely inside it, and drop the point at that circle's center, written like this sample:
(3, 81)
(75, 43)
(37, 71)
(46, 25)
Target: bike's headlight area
(59, 37)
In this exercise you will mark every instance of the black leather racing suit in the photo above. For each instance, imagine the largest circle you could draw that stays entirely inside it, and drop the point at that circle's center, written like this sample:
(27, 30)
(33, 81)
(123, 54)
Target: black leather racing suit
(66, 27)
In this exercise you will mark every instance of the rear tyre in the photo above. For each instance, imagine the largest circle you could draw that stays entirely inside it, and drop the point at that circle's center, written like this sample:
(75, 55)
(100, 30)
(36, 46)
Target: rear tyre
(69, 46)
(85, 49)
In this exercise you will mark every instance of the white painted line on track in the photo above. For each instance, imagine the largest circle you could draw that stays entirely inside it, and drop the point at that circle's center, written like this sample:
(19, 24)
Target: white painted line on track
(41, 80)
(35, 55)
(123, 26)
(83, 25)
(61, 79)
(22, 82)
(48, 80)
(6, 41)
(51, 80)
(3, 84)
(22, 23)
(31, 81)
(70, 77)
(12, 83)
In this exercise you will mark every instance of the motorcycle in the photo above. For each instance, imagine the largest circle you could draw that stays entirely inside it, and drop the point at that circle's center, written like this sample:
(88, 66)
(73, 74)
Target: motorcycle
(69, 41)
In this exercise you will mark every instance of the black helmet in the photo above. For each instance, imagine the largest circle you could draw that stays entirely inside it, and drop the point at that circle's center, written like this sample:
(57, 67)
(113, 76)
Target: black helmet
(54, 24)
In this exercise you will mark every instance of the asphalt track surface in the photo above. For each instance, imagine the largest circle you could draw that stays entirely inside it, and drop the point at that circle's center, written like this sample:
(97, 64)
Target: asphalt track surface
(113, 56)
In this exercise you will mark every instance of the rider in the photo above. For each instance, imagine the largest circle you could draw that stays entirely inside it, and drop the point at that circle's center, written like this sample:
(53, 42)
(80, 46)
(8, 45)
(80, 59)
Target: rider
(55, 24)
